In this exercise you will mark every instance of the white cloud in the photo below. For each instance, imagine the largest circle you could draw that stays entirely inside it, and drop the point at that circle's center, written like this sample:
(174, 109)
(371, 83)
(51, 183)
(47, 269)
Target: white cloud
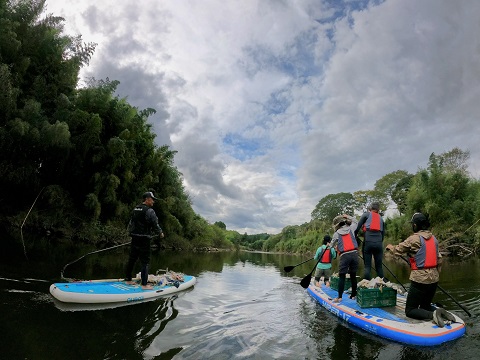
(273, 105)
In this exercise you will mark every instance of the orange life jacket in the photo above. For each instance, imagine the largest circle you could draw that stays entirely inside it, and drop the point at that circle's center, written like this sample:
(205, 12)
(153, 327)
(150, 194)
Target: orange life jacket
(347, 242)
(327, 256)
(374, 222)
(426, 256)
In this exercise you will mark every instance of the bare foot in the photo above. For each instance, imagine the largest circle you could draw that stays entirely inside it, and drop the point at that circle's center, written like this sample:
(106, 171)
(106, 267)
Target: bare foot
(147, 287)
(327, 284)
(337, 300)
(131, 282)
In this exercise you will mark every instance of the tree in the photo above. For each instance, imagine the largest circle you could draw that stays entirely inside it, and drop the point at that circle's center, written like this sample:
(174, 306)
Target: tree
(400, 192)
(364, 198)
(89, 154)
(451, 161)
(221, 225)
(386, 184)
(445, 193)
(38, 71)
(333, 205)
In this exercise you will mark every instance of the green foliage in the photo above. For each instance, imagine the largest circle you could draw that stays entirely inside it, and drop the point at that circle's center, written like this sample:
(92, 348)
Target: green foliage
(393, 187)
(333, 205)
(364, 198)
(85, 155)
(446, 194)
(221, 225)
(400, 192)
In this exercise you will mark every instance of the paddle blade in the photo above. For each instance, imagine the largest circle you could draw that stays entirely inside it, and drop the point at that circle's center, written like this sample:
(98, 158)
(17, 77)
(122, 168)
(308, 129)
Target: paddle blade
(306, 281)
(288, 268)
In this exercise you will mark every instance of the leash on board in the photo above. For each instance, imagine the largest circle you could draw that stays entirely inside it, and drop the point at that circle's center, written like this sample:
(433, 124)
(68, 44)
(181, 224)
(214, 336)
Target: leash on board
(93, 252)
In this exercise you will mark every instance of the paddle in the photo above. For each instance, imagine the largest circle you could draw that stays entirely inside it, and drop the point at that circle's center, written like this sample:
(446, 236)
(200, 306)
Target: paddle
(291, 267)
(446, 293)
(307, 279)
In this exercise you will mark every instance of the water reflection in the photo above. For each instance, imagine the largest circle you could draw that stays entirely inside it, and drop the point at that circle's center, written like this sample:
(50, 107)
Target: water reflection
(243, 307)
(348, 345)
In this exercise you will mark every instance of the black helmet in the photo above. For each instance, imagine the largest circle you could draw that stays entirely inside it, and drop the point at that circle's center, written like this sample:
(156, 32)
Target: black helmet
(420, 221)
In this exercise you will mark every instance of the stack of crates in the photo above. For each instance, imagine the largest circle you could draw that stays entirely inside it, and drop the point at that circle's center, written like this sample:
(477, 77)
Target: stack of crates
(378, 297)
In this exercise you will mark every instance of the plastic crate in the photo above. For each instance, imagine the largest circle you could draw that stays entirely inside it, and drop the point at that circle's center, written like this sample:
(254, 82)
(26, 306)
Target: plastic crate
(334, 282)
(378, 297)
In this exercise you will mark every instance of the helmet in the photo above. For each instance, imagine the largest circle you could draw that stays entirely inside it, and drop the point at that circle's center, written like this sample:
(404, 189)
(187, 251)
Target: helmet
(420, 221)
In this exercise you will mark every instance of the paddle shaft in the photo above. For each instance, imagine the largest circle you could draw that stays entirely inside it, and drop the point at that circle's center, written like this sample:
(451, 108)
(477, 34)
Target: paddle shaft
(291, 267)
(446, 293)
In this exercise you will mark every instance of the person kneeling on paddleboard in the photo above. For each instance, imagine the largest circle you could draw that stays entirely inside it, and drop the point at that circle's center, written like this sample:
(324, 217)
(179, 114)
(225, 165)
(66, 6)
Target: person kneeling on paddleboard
(143, 223)
(422, 250)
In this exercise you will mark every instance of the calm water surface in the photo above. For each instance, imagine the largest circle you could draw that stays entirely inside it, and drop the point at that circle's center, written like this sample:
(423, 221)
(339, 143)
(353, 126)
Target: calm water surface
(243, 307)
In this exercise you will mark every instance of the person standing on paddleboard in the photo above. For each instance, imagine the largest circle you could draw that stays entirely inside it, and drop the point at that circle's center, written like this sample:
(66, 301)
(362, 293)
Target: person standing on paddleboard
(347, 247)
(143, 223)
(373, 239)
(324, 266)
(424, 258)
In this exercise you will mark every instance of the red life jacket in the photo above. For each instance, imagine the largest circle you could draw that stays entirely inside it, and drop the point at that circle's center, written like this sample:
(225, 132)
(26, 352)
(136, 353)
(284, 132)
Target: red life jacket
(426, 257)
(347, 242)
(374, 222)
(327, 256)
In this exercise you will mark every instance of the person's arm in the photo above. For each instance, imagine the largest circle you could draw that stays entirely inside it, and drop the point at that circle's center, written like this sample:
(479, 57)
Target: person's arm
(334, 253)
(384, 228)
(406, 247)
(353, 222)
(333, 243)
(439, 260)
(153, 219)
(362, 221)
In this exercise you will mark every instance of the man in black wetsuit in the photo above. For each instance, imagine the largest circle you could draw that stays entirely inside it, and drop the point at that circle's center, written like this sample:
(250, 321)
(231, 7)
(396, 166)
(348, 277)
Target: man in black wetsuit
(142, 224)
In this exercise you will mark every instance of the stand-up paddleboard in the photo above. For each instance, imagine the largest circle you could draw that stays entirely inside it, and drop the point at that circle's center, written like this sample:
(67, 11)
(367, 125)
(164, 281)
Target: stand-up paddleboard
(387, 322)
(117, 290)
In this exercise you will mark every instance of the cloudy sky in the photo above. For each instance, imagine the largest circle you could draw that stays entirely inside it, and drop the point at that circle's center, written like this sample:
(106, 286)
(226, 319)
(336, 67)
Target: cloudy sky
(274, 104)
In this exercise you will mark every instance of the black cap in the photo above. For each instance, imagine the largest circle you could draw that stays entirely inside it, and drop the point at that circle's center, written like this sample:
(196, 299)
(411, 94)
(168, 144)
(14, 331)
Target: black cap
(326, 239)
(149, 194)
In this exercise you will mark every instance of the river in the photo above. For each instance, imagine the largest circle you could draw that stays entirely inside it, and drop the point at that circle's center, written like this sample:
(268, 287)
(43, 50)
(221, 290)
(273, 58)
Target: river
(244, 306)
